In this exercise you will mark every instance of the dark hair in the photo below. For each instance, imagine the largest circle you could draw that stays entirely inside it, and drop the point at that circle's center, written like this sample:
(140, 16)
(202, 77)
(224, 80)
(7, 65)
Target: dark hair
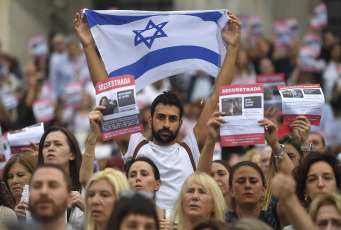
(74, 165)
(249, 164)
(3, 197)
(100, 101)
(136, 205)
(223, 163)
(27, 160)
(66, 177)
(144, 159)
(292, 140)
(211, 224)
(300, 173)
(167, 98)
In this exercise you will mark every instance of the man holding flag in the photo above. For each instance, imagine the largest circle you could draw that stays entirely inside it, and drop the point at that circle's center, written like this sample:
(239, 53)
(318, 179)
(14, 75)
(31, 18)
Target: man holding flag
(175, 161)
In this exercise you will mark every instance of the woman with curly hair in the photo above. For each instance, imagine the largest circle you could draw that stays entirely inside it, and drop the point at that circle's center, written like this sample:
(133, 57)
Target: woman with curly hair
(317, 174)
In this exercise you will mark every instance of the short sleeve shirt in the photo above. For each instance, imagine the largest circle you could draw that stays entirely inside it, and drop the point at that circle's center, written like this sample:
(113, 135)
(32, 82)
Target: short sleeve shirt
(173, 163)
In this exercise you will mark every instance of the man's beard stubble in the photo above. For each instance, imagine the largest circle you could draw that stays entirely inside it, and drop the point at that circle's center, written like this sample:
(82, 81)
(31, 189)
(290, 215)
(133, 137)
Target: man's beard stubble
(172, 136)
(43, 217)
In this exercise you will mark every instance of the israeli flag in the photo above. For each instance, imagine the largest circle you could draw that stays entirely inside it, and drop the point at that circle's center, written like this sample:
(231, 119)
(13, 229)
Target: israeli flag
(155, 45)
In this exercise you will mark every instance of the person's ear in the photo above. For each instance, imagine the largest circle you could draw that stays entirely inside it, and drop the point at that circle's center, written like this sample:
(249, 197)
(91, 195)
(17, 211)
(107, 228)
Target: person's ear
(181, 121)
(157, 185)
(72, 157)
(69, 201)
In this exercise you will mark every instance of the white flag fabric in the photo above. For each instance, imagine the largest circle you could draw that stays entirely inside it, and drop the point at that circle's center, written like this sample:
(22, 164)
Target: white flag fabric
(155, 45)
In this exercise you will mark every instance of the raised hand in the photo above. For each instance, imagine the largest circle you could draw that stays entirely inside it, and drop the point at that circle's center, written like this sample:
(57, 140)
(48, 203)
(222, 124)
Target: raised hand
(301, 128)
(233, 34)
(271, 132)
(82, 28)
(214, 124)
(96, 118)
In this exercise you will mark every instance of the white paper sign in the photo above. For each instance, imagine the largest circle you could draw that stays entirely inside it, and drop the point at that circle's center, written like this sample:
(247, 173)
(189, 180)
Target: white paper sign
(244, 107)
(302, 100)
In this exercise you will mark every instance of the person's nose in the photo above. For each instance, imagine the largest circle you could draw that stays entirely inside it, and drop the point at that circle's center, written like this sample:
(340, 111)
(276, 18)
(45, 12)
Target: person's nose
(216, 177)
(320, 182)
(166, 123)
(195, 195)
(138, 177)
(51, 147)
(15, 180)
(247, 184)
(95, 200)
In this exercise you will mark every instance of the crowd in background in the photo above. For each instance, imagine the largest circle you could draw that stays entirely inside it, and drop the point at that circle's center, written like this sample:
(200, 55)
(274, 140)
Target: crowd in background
(48, 77)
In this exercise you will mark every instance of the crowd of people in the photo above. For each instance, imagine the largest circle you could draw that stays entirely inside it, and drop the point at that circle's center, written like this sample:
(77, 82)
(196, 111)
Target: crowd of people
(169, 178)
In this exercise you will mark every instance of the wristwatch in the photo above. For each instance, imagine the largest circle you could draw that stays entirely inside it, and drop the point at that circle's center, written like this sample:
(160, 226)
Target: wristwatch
(307, 149)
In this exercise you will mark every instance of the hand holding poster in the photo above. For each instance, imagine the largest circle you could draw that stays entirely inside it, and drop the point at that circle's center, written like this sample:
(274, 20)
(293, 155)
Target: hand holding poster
(21, 138)
(302, 100)
(121, 115)
(243, 107)
(271, 95)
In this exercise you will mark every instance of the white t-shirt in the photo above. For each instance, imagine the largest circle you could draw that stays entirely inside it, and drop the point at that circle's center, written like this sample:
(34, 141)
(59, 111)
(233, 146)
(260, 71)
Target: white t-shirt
(173, 163)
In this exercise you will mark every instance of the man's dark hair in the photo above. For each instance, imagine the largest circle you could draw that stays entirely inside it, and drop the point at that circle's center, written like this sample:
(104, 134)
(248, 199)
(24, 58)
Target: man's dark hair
(167, 98)
(66, 177)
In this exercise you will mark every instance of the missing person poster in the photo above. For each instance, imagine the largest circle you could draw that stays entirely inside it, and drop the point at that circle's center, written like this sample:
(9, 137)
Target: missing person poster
(271, 95)
(43, 110)
(73, 95)
(298, 100)
(243, 107)
(21, 138)
(121, 114)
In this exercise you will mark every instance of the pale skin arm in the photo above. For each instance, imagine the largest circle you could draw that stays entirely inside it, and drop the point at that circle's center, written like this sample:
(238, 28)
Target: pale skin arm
(271, 136)
(283, 187)
(87, 166)
(96, 67)
(205, 160)
(232, 38)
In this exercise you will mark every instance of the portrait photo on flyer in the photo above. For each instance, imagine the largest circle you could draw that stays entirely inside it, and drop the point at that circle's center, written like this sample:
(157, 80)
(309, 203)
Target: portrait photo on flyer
(121, 113)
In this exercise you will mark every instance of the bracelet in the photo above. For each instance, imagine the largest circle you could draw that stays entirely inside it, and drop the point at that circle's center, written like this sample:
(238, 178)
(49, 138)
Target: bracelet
(280, 150)
(278, 154)
(89, 155)
(307, 149)
(90, 143)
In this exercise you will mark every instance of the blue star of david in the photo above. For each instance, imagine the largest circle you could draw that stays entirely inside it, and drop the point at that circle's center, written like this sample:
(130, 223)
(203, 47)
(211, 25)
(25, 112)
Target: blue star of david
(148, 40)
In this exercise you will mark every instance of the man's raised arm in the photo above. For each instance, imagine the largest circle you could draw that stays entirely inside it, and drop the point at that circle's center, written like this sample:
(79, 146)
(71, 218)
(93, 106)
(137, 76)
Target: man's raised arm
(232, 38)
(96, 67)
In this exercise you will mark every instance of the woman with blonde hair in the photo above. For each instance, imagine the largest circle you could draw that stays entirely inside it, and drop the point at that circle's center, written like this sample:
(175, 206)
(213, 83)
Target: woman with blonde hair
(200, 199)
(101, 193)
(326, 210)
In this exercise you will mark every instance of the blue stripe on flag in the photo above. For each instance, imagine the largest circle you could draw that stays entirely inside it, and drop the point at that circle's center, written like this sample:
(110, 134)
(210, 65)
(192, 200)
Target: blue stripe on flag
(166, 55)
(95, 18)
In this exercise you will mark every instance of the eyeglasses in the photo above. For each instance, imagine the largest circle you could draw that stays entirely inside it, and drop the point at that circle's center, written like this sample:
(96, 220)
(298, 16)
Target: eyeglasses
(132, 193)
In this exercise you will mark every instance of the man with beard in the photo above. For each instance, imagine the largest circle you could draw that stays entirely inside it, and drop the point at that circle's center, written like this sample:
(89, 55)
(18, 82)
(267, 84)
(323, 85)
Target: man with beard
(50, 196)
(174, 161)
